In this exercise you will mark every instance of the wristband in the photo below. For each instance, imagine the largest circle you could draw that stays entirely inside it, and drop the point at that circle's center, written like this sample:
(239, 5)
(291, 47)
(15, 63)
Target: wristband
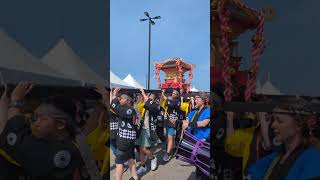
(16, 104)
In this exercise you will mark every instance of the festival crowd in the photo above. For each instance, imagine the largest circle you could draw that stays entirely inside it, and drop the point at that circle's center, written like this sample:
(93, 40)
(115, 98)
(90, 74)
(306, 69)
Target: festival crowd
(140, 121)
(281, 143)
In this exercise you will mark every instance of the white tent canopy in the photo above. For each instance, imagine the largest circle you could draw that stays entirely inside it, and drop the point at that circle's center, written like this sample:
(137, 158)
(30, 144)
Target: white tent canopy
(14, 56)
(132, 82)
(17, 64)
(269, 89)
(193, 89)
(64, 60)
(115, 81)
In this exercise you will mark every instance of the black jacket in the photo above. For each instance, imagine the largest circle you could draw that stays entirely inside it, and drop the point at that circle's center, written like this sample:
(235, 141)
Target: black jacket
(126, 134)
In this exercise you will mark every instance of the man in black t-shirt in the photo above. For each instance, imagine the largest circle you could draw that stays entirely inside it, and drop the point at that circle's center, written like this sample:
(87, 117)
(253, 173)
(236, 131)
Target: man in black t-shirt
(126, 135)
(43, 148)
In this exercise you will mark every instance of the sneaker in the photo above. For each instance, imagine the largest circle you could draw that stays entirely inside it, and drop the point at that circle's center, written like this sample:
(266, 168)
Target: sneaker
(154, 164)
(166, 157)
(135, 178)
(141, 170)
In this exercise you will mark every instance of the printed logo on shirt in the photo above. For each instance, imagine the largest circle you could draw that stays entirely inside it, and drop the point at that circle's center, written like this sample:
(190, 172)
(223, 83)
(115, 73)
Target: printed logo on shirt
(220, 133)
(113, 105)
(123, 124)
(62, 159)
(129, 112)
(129, 126)
(12, 139)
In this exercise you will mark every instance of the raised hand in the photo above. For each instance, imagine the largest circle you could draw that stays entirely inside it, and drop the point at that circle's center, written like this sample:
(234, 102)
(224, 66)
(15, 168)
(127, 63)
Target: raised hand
(262, 119)
(102, 90)
(116, 91)
(20, 91)
(164, 96)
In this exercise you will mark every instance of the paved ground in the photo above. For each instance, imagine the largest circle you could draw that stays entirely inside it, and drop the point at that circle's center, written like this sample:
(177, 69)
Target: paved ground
(173, 170)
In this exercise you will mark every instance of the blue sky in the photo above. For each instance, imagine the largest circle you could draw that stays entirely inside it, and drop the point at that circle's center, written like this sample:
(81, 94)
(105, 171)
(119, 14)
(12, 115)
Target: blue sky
(183, 31)
(292, 48)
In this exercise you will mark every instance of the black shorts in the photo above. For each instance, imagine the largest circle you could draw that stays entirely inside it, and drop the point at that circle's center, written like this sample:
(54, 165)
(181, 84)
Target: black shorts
(123, 156)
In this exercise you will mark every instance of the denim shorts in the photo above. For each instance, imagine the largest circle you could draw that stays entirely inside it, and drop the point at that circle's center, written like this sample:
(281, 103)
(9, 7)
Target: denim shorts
(170, 131)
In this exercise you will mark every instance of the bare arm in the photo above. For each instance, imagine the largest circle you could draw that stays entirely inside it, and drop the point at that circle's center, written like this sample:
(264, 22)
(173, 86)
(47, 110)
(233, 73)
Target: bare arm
(192, 102)
(203, 123)
(264, 129)
(3, 109)
(115, 93)
(145, 97)
(164, 96)
(230, 128)
(111, 96)
(18, 94)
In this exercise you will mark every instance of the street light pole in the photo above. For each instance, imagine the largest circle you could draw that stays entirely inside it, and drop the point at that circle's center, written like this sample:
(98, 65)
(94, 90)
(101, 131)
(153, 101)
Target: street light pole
(151, 22)
(149, 54)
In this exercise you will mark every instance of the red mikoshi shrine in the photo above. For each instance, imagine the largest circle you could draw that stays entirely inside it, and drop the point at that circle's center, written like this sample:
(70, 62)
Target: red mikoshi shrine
(174, 70)
(230, 18)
